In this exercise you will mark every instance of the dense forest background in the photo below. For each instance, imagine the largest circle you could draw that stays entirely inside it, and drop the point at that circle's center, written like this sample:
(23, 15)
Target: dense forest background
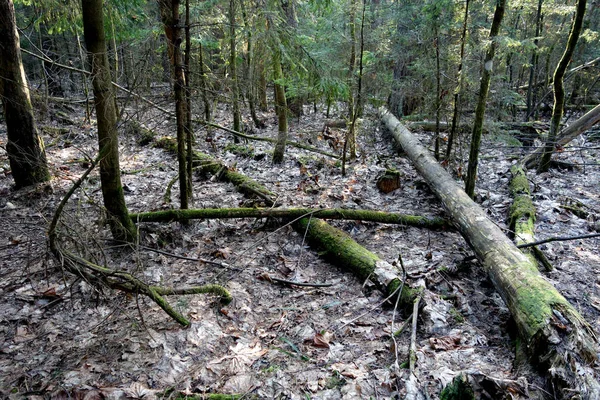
(260, 118)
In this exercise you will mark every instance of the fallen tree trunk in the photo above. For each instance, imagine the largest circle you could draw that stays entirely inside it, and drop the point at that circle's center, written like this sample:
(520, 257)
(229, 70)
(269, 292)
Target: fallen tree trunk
(522, 215)
(556, 336)
(340, 249)
(292, 213)
(336, 246)
(569, 133)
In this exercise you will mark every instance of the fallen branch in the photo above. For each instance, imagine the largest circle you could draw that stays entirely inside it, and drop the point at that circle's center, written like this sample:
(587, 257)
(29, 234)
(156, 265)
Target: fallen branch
(554, 333)
(269, 278)
(569, 133)
(116, 279)
(292, 213)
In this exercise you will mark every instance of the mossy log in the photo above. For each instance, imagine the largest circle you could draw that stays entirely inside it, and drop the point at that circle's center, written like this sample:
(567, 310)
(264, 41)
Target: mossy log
(211, 165)
(337, 247)
(340, 249)
(292, 213)
(557, 338)
(522, 214)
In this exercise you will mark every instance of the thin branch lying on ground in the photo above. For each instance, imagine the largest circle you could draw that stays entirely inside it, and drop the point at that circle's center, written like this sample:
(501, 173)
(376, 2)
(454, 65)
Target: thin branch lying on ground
(269, 278)
(116, 279)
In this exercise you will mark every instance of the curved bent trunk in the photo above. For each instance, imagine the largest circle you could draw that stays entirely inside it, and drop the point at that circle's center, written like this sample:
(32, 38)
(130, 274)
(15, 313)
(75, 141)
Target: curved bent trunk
(555, 335)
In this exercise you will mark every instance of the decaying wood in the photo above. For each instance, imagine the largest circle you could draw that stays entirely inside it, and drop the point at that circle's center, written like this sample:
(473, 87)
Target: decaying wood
(556, 336)
(340, 249)
(522, 215)
(389, 181)
(569, 133)
(335, 245)
(293, 213)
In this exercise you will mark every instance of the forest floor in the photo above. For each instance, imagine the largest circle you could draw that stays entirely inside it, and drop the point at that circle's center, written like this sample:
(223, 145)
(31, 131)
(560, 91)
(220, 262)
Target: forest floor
(60, 337)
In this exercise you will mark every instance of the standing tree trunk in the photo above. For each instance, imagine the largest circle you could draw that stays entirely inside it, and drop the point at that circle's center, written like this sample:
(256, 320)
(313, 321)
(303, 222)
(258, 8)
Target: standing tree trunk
(351, 135)
(463, 39)
(169, 12)
(235, 92)
(483, 92)
(559, 90)
(25, 147)
(250, 92)
(189, 135)
(438, 101)
(121, 226)
(281, 106)
(534, 62)
(203, 84)
(556, 337)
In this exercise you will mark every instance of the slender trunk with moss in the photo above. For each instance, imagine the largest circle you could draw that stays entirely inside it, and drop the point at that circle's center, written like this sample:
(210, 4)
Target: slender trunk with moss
(169, 11)
(25, 147)
(455, 107)
(281, 106)
(189, 134)
(121, 226)
(559, 90)
(235, 92)
(483, 93)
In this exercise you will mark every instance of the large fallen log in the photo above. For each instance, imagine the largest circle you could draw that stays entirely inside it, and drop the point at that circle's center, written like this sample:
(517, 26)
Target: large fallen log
(292, 213)
(556, 337)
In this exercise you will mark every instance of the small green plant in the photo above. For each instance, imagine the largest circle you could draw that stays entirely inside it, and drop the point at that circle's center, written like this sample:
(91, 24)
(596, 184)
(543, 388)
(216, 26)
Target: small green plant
(335, 381)
(240, 150)
(458, 317)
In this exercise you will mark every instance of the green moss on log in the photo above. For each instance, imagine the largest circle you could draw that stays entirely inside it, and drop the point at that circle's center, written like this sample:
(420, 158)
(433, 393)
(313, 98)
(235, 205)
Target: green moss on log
(292, 213)
(458, 389)
(341, 250)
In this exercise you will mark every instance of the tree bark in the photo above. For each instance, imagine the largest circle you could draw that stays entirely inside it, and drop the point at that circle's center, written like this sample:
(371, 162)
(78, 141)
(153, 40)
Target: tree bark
(169, 13)
(553, 332)
(235, 92)
(584, 123)
(459, 85)
(293, 213)
(483, 93)
(281, 106)
(25, 147)
(559, 90)
(110, 173)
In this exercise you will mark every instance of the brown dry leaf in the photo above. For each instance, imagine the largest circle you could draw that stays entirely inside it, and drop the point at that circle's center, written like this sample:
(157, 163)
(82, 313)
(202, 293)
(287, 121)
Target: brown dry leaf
(322, 339)
(23, 335)
(244, 355)
(348, 370)
(445, 342)
(223, 253)
(138, 391)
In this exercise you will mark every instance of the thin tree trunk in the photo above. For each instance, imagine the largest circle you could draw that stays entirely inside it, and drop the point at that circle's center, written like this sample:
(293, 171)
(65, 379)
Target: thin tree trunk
(556, 336)
(169, 10)
(350, 141)
(121, 226)
(281, 106)
(483, 92)
(438, 101)
(559, 90)
(235, 93)
(189, 134)
(25, 147)
(250, 92)
(203, 84)
(457, 91)
(534, 62)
